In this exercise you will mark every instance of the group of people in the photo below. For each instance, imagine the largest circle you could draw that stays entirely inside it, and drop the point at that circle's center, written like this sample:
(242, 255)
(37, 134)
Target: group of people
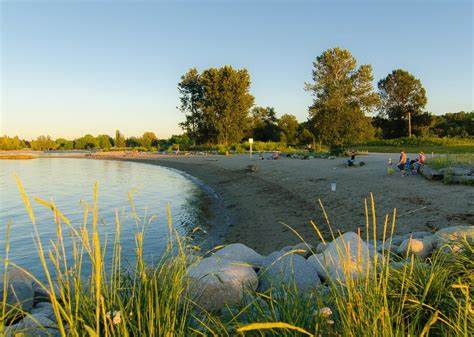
(407, 166)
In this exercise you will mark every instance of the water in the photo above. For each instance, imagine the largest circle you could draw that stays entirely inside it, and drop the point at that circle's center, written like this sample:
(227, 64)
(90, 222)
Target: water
(69, 183)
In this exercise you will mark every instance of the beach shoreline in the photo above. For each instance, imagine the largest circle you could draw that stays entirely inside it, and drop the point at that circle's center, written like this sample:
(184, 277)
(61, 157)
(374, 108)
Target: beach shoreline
(260, 207)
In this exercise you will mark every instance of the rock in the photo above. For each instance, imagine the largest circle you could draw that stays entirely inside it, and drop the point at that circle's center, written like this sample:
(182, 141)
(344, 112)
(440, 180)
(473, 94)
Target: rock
(417, 235)
(301, 248)
(44, 309)
(396, 240)
(317, 262)
(34, 325)
(456, 171)
(252, 168)
(431, 174)
(238, 252)
(453, 234)
(288, 270)
(418, 247)
(215, 282)
(348, 256)
(320, 247)
(20, 292)
(468, 180)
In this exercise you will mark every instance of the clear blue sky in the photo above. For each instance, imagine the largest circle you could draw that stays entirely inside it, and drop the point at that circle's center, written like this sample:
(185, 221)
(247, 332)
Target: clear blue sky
(70, 68)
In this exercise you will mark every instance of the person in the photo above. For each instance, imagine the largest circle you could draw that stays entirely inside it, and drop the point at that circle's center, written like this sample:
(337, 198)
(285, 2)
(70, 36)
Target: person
(276, 155)
(419, 162)
(350, 162)
(402, 162)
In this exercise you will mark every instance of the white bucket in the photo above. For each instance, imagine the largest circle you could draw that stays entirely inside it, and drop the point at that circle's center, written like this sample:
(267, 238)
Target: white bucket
(333, 186)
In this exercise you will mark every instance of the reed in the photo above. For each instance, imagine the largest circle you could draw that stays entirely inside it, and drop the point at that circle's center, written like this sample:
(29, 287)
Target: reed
(422, 298)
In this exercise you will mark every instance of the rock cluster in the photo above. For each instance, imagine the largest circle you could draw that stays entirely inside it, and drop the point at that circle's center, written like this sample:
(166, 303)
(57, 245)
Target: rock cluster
(25, 295)
(224, 278)
(456, 175)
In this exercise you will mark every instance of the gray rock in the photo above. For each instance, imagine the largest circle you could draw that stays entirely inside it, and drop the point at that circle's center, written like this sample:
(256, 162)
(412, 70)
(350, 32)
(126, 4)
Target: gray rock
(215, 282)
(456, 171)
(431, 174)
(320, 247)
(34, 325)
(301, 248)
(348, 256)
(418, 247)
(451, 235)
(238, 252)
(317, 262)
(462, 180)
(288, 270)
(417, 235)
(396, 239)
(19, 289)
(44, 309)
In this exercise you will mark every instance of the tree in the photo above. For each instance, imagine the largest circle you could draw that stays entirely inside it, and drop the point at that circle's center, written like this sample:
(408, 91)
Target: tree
(191, 94)
(133, 142)
(104, 142)
(216, 104)
(43, 143)
(459, 124)
(64, 144)
(148, 140)
(265, 124)
(86, 142)
(403, 98)
(343, 94)
(119, 139)
(288, 125)
(11, 143)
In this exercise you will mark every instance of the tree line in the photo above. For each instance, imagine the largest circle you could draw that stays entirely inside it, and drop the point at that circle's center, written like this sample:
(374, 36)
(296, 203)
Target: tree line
(148, 141)
(346, 108)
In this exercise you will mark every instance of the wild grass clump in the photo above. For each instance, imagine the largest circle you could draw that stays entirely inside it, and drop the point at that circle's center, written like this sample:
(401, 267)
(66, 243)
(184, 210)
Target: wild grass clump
(451, 160)
(412, 298)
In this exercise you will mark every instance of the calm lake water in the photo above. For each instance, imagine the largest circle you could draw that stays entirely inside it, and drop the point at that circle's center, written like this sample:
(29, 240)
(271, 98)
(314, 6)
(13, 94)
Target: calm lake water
(69, 183)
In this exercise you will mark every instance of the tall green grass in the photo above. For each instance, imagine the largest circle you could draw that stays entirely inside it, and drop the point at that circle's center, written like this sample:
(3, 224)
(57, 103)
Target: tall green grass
(451, 160)
(423, 298)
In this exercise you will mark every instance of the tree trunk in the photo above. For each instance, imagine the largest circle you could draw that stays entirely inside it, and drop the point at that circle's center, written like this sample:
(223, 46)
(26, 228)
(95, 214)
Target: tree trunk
(409, 124)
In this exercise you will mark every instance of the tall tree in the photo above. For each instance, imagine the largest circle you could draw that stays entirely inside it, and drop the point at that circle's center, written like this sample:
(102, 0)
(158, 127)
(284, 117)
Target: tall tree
(264, 124)
(119, 139)
(288, 125)
(226, 103)
(343, 94)
(191, 94)
(403, 97)
(149, 139)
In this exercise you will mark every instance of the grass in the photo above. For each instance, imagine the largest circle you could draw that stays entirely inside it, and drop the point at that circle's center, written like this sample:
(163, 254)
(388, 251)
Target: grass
(451, 160)
(415, 145)
(424, 298)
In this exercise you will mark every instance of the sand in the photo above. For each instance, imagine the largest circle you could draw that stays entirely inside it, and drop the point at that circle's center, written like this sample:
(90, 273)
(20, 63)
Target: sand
(286, 191)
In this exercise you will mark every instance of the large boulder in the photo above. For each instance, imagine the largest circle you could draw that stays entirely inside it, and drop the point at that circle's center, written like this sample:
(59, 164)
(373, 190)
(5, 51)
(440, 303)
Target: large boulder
(348, 256)
(215, 282)
(19, 288)
(240, 253)
(430, 173)
(418, 247)
(301, 248)
(451, 235)
(286, 269)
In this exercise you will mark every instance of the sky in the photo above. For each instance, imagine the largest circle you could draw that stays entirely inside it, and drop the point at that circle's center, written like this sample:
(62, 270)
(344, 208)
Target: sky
(68, 68)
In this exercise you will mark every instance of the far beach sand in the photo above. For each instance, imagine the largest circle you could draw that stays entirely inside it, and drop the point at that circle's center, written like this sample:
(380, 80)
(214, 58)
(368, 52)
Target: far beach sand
(286, 191)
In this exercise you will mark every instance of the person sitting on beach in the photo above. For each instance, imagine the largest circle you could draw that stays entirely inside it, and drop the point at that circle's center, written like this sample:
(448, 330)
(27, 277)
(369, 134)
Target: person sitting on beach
(276, 155)
(350, 162)
(402, 162)
(419, 162)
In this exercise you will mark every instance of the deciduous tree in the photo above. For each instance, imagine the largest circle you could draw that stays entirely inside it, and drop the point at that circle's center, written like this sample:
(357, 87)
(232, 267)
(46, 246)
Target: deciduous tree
(343, 94)
(403, 99)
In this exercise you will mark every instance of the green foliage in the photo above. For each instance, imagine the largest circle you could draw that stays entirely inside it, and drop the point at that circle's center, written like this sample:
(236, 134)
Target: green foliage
(403, 98)
(264, 124)
(460, 124)
(119, 139)
(149, 140)
(104, 142)
(451, 160)
(288, 125)
(12, 143)
(343, 94)
(133, 142)
(216, 104)
(43, 143)
(417, 144)
(64, 144)
(87, 142)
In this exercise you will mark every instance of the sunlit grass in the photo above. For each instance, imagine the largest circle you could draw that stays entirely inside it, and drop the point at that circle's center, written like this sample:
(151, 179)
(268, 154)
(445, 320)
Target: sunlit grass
(451, 160)
(432, 297)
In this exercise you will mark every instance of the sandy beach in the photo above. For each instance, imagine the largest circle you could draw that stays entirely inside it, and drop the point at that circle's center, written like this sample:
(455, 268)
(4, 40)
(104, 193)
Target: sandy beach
(286, 191)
